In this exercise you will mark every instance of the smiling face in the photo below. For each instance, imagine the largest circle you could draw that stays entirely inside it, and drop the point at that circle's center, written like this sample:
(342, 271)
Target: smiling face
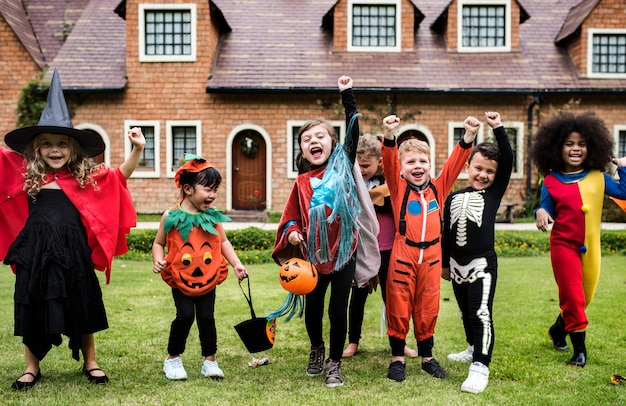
(415, 167)
(481, 171)
(574, 152)
(198, 198)
(316, 144)
(54, 149)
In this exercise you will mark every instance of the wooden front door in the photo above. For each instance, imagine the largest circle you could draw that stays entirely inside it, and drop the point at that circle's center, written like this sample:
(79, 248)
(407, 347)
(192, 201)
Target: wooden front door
(249, 162)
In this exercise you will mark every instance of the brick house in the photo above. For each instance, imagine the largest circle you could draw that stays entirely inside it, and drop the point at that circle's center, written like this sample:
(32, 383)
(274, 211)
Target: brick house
(233, 81)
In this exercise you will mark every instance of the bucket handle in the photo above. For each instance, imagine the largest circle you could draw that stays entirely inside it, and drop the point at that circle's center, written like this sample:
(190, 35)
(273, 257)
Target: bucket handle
(248, 297)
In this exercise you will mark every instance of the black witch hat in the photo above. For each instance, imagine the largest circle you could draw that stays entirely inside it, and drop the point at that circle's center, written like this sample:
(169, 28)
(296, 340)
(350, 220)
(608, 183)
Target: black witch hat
(55, 119)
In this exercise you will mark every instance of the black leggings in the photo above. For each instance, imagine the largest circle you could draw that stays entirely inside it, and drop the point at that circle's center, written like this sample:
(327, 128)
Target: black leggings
(202, 307)
(358, 298)
(340, 283)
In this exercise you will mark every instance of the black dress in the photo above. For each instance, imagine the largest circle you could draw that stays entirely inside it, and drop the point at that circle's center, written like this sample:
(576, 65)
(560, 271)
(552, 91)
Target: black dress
(56, 288)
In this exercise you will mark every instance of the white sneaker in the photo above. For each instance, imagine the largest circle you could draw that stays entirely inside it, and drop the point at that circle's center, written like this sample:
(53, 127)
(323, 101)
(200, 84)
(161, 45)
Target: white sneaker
(174, 369)
(211, 370)
(477, 378)
(467, 355)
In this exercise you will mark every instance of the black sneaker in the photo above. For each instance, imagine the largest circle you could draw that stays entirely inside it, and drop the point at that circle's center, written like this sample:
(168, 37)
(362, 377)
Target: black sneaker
(396, 371)
(433, 368)
(316, 361)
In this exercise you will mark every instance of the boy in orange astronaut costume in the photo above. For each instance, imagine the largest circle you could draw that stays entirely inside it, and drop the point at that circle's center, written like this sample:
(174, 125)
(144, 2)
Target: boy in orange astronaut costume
(415, 267)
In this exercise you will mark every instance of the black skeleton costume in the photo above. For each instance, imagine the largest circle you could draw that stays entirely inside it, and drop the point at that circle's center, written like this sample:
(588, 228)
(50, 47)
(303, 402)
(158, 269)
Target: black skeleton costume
(468, 250)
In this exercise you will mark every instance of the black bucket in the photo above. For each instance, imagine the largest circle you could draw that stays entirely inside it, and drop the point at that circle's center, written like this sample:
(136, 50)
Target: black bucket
(257, 333)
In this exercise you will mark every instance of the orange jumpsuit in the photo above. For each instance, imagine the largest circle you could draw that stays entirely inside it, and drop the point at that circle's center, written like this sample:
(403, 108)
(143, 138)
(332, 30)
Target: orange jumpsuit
(415, 267)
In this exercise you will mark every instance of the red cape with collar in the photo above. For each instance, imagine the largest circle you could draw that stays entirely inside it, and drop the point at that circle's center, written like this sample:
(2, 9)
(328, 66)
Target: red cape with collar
(107, 213)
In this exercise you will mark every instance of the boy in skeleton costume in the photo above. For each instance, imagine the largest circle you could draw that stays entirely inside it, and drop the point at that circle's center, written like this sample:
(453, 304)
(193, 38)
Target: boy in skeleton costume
(469, 258)
(413, 283)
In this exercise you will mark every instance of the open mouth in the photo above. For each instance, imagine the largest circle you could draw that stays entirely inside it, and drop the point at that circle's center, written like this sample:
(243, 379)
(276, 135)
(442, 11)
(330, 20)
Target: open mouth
(316, 152)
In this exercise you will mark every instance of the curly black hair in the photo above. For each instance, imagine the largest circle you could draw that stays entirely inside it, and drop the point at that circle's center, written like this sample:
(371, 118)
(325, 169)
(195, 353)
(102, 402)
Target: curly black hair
(546, 151)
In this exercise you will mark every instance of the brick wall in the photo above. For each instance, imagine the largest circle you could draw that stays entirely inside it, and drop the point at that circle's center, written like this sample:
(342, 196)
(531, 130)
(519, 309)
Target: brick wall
(16, 69)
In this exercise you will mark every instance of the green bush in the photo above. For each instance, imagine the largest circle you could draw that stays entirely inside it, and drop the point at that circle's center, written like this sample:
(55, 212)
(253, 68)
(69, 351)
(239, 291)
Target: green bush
(254, 245)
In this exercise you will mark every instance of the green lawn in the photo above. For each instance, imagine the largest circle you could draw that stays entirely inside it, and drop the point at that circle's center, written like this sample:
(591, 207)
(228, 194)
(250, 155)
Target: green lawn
(525, 369)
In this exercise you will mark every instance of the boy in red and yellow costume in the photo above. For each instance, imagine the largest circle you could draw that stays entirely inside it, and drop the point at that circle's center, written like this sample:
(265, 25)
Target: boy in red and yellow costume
(415, 265)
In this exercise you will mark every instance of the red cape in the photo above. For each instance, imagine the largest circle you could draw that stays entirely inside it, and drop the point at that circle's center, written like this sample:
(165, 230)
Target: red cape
(107, 213)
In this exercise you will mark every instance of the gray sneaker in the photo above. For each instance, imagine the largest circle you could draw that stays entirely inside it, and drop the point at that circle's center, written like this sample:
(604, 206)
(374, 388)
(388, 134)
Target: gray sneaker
(316, 361)
(333, 373)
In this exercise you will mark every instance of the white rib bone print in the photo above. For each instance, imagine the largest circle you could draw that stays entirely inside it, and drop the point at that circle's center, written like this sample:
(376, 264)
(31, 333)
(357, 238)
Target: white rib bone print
(466, 206)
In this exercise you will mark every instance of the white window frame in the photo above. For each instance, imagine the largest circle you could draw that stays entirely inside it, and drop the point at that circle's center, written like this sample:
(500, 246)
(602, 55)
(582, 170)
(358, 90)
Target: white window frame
(518, 170)
(128, 146)
(507, 34)
(141, 28)
(291, 174)
(397, 47)
(452, 125)
(169, 148)
(590, 34)
(616, 130)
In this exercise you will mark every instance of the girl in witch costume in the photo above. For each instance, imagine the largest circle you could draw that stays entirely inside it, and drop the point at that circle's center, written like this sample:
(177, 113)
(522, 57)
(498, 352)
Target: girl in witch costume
(572, 153)
(195, 263)
(62, 217)
(327, 219)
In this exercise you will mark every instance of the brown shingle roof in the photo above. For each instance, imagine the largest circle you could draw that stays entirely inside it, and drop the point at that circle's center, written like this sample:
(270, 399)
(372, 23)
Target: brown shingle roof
(577, 15)
(15, 15)
(280, 45)
(94, 55)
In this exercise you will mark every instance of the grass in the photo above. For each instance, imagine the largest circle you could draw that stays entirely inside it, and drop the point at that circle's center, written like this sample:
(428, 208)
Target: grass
(525, 369)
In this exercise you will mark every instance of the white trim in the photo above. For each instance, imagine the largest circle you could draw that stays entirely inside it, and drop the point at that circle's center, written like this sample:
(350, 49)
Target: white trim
(602, 31)
(170, 172)
(105, 138)
(353, 48)
(229, 163)
(291, 174)
(452, 125)
(518, 171)
(429, 137)
(617, 128)
(156, 124)
(141, 31)
(508, 26)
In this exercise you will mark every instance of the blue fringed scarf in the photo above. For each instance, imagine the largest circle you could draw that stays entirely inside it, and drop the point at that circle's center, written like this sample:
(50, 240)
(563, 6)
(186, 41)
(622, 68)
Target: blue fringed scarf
(336, 190)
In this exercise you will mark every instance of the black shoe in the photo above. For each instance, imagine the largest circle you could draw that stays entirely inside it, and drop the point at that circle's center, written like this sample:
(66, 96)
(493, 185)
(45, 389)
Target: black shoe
(396, 371)
(433, 368)
(557, 334)
(96, 380)
(22, 386)
(579, 359)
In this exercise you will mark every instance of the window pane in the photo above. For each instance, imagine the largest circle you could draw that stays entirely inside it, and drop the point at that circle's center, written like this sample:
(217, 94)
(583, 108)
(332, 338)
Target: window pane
(183, 141)
(621, 144)
(483, 26)
(374, 25)
(168, 32)
(609, 53)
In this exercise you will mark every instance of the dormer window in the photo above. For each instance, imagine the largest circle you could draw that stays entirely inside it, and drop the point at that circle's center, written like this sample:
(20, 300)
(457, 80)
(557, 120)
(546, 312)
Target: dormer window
(374, 25)
(606, 53)
(484, 26)
(167, 32)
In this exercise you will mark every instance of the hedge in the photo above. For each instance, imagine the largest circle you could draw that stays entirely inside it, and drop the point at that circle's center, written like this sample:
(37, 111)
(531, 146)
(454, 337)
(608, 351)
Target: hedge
(254, 245)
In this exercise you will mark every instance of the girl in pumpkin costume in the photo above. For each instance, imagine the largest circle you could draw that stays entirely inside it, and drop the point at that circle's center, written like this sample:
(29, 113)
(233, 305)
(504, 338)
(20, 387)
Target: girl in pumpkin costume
(572, 153)
(197, 250)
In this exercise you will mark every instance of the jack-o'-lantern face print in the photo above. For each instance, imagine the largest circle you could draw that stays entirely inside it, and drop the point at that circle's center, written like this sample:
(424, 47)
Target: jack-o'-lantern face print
(196, 264)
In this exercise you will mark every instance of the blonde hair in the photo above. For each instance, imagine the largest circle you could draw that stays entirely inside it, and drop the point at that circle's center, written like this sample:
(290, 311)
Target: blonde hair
(369, 146)
(37, 169)
(414, 145)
